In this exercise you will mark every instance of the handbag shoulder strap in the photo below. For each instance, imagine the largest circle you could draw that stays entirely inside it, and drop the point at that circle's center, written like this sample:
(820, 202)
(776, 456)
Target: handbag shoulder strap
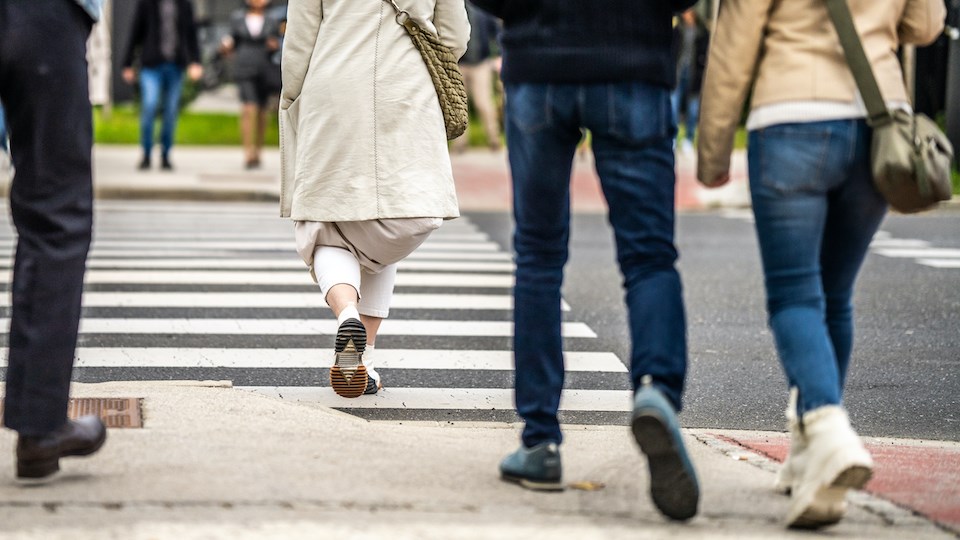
(877, 113)
(404, 19)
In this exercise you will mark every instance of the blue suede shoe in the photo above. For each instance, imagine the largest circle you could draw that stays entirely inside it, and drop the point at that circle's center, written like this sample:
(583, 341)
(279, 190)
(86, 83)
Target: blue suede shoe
(673, 482)
(537, 468)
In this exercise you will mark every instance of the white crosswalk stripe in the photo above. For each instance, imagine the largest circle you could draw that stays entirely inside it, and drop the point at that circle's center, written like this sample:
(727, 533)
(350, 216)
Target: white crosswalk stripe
(442, 359)
(199, 291)
(921, 251)
(218, 277)
(886, 245)
(290, 300)
(306, 327)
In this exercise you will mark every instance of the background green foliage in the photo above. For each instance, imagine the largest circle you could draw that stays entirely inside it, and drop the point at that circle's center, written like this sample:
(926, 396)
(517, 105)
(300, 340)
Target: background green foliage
(122, 126)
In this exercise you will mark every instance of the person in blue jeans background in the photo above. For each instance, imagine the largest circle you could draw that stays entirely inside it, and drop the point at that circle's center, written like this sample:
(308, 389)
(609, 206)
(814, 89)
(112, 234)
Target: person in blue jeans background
(691, 41)
(814, 201)
(560, 79)
(165, 34)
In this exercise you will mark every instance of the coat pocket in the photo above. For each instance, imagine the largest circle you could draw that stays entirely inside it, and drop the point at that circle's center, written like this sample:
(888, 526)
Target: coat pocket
(289, 122)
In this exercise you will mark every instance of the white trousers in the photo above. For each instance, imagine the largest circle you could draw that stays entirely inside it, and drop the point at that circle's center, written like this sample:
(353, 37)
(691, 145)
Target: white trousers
(363, 254)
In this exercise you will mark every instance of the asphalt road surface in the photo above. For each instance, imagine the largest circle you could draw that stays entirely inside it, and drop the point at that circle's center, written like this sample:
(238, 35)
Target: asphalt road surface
(204, 291)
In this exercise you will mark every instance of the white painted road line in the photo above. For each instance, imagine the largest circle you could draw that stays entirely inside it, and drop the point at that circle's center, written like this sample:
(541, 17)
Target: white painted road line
(148, 236)
(162, 253)
(439, 359)
(288, 327)
(288, 300)
(446, 398)
(879, 243)
(276, 264)
(243, 245)
(213, 277)
(921, 253)
(940, 263)
(205, 245)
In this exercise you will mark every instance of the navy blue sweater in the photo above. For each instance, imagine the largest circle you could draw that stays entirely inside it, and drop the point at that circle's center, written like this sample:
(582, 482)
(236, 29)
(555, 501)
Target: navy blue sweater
(587, 41)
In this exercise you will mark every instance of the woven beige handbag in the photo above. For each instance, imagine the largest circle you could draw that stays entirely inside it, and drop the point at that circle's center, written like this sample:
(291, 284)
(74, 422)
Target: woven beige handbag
(444, 71)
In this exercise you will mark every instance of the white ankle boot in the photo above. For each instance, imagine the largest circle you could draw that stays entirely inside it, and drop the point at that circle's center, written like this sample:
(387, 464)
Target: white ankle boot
(833, 462)
(798, 447)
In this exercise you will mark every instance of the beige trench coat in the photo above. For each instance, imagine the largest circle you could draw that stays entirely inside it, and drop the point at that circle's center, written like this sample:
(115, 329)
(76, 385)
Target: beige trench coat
(788, 50)
(361, 131)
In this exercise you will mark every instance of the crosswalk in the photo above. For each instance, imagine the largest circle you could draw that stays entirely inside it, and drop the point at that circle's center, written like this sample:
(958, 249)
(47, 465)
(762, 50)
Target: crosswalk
(885, 244)
(200, 291)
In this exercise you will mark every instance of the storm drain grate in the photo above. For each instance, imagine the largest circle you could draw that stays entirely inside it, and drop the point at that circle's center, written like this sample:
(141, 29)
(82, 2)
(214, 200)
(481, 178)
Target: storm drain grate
(115, 412)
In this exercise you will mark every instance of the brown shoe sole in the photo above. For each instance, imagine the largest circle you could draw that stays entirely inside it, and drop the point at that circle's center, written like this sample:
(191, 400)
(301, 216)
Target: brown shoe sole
(348, 376)
(354, 387)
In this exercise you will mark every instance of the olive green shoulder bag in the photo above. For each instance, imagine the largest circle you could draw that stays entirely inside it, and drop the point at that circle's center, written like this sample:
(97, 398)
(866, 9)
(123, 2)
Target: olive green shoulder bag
(910, 156)
(444, 71)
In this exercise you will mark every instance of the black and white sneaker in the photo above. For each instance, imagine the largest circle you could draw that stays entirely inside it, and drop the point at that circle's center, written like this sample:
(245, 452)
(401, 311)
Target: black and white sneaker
(373, 382)
(348, 376)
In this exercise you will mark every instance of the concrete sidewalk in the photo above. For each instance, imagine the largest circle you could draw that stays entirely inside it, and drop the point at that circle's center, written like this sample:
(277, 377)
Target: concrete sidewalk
(215, 462)
(483, 179)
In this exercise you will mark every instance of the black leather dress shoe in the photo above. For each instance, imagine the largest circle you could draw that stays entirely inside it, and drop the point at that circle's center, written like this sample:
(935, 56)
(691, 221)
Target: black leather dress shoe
(39, 457)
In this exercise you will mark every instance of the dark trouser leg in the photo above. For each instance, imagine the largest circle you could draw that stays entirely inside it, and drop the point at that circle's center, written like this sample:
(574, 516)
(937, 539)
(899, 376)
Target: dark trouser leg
(541, 146)
(43, 82)
(632, 141)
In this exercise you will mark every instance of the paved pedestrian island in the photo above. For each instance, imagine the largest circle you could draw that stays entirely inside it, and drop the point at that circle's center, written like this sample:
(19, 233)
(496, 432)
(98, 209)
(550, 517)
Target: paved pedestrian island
(214, 462)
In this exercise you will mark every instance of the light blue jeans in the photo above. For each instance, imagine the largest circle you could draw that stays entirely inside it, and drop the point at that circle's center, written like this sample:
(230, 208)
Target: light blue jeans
(816, 212)
(160, 82)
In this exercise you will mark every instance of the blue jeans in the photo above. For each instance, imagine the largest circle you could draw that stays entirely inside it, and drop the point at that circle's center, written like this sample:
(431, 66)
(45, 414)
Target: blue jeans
(164, 81)
(692, 111)
(816, 212)
(632, 129)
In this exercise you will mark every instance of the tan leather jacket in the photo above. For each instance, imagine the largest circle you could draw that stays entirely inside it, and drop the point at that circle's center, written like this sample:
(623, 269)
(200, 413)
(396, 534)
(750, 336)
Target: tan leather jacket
(788, 50)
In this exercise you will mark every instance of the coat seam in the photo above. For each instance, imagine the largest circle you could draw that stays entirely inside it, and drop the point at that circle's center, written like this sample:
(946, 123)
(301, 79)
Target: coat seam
(376, 147)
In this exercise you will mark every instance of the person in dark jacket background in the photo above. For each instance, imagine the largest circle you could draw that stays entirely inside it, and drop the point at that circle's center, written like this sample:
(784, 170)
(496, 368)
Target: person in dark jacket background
(165, 34)
(477, 65)
(691, 40)
(570, 66)
(254, 37)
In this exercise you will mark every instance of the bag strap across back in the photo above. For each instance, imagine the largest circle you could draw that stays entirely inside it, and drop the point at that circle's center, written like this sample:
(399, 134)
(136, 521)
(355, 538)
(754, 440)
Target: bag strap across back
(403, 18)
(877, 113)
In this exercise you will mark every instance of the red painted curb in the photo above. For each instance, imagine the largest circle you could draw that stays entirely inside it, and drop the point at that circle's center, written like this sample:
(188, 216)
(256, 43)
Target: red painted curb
(923, 476)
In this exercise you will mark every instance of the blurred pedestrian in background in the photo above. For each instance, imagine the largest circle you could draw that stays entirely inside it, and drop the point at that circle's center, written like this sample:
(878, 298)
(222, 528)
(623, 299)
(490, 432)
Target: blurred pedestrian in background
(43, 81)
(478, 66)
(815, 206)
(4, 145)
(561, 78)
(5, 165)
(254, 37)
(366, 173)
(691, 41)
(164, 36)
